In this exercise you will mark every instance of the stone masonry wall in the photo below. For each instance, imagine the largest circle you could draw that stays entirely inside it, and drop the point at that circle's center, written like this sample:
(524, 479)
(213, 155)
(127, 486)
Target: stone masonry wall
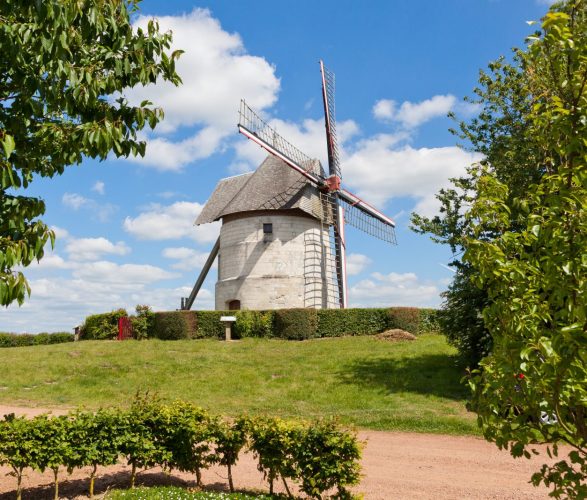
(263, 271)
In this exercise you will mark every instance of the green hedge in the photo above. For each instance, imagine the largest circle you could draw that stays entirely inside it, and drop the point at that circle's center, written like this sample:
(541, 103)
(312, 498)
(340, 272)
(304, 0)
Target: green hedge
(25, 339)
(102, 326)
(295, 324)
(173, 325)
(338, 322)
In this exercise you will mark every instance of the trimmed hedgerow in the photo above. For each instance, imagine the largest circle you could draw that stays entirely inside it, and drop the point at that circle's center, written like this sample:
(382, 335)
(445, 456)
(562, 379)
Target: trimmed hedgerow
(429, 320)
(209, 325)
(102, 326)
(405, 318)
(26, 339)
(339, 322)
(296, 324)
(254, 324)
(173, 325)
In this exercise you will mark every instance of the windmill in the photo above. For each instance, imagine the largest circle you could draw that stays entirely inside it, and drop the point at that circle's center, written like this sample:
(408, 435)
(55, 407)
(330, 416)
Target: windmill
(282, 241)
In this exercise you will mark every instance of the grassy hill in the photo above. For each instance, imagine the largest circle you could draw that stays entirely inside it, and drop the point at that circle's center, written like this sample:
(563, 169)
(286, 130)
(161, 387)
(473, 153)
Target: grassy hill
(410, 386)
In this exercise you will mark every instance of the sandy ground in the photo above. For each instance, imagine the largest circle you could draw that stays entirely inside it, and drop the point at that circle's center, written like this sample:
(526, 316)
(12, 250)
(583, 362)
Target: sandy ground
(395, 465)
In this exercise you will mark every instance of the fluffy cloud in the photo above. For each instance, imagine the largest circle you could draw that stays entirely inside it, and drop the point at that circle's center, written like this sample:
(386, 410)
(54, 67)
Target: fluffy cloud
(217, 72)
(187, 259)
(62, 303)
(94, 248)
(409, 114)
(380, 171)
(171, 222)
(123, 275)
(394, 289)
(356, 263)
(100, 211)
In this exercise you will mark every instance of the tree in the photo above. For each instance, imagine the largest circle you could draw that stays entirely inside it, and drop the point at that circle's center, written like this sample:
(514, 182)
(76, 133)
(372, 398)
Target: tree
(500, 133)
(64, 67)
(532, 388)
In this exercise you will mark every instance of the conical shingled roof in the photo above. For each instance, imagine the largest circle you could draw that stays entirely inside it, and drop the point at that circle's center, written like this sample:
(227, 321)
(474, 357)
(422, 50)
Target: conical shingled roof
(273, 186)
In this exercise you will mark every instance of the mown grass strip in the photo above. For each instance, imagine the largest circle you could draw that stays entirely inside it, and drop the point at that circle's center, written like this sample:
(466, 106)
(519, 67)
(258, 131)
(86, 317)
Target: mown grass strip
(408, 386)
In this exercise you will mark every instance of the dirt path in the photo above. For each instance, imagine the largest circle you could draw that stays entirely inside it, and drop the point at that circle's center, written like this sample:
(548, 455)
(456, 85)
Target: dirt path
(395, 466)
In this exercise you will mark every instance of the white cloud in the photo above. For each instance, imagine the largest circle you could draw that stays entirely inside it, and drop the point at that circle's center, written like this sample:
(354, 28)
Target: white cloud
(94, 248)
(217, 72)
(380, 171)
(98, 187)
(100, 211)
(62, 303)
(356, 263)
(411, 115)
(171, 222)
(187, 259)
(127, 275)
(75, 201)
(394, 289)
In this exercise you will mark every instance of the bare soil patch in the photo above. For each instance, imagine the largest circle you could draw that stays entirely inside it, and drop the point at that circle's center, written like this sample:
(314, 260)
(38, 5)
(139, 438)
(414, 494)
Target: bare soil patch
(395, 465)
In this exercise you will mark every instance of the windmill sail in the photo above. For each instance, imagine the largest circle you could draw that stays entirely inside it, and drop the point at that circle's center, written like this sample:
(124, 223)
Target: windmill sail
(362, 216)
(330, 120)
(255, 128)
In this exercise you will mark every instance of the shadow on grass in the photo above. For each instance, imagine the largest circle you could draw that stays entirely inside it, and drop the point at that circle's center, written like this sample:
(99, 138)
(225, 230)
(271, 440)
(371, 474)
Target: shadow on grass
(74, 488)
(429, 374)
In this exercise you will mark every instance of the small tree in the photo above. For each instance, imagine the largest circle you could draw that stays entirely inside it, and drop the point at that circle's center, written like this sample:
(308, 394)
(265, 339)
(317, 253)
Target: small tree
(94, 439)
(53, 447)
(229, 439)
(140, 435)
(18, 447)
(186, 432)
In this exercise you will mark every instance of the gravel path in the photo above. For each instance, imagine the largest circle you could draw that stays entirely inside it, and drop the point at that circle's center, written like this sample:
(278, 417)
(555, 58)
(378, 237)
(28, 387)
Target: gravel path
(395, 465)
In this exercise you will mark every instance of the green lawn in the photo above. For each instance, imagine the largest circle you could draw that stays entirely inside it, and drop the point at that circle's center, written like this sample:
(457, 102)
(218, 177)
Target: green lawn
(410, 386)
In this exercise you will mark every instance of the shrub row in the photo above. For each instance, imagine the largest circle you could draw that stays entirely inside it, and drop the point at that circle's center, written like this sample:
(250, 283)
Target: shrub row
(297, 324)
(318, 456)
(24, 339)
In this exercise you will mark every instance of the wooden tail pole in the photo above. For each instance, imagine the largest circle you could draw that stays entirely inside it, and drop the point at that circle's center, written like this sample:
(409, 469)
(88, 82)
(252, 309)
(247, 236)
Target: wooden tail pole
(187, 305)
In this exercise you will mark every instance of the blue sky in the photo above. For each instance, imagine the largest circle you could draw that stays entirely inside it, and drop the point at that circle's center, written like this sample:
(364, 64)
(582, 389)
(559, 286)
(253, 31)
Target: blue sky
(125, 232)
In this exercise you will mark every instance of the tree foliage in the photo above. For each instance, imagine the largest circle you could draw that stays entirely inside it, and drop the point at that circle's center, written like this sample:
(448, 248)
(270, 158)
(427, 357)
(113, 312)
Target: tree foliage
(513, 155)
(64, 67)
(527, 250)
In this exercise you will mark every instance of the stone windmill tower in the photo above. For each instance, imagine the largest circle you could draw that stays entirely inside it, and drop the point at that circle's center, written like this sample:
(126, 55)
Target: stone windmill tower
(281, 243)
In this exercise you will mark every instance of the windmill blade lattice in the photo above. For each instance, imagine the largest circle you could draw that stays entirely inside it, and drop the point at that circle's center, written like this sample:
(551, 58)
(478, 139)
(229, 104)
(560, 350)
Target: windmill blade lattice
(254, 124)
(355, 216)
(330, 120)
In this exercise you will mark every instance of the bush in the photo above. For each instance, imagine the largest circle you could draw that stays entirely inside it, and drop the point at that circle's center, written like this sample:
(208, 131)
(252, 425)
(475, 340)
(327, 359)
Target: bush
(26, 339)
(173, 325)
(327, 457)
(209, 325)
(253, 324)
(142, 323)
(296, 324)
(405, 318)
(102, 326)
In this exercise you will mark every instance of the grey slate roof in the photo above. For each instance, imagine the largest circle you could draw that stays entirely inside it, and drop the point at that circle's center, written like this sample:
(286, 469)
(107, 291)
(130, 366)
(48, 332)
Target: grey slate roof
(273, 186)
